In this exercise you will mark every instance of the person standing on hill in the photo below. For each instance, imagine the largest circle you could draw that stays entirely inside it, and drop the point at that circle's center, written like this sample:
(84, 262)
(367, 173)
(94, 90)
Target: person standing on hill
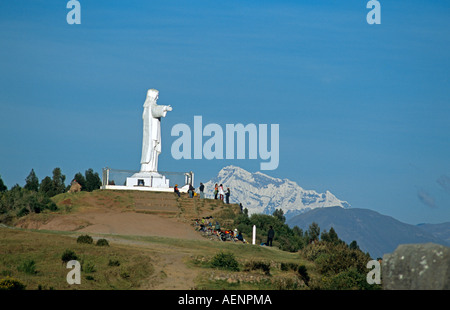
(270, 235)
(216, 191)
(191, 191)
(221, 192)
(227, 195)
(202, 188)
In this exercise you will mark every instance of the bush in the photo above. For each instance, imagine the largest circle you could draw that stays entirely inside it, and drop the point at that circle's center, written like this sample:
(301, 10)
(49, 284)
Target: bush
(113, 262)
(350, 279)
(11, 284)
(68, 255)
(89, 268)
(289, 266)
(102, 242)
(85, 239)
(337, 258)
(259, 265)
(303, 274)
(18, 202)
(225, 261)
(28, 267)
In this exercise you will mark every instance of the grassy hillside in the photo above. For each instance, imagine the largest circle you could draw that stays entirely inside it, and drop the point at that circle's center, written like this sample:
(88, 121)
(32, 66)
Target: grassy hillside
(143, 262)
(32, 254)
(35, 259)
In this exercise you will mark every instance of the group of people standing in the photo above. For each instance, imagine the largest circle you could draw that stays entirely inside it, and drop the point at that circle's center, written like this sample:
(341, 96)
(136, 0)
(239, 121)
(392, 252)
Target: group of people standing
(218, 191)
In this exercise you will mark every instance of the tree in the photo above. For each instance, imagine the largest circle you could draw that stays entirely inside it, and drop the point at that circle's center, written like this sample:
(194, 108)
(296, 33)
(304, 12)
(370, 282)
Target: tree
(46, 187)
(331, 236)
(53, 186)
(58, 181)
(93, 181)
(3, 187)
(32, 182)
(313, 232)
(280, 215)
(297, 231)
(353, 245)
(80, 180)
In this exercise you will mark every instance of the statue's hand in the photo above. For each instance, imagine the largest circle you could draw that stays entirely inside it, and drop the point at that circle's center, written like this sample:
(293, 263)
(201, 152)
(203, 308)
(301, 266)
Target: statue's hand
(167, 108)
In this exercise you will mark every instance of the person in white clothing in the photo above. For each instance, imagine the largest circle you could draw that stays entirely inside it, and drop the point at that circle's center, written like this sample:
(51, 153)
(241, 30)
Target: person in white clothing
(221, 192)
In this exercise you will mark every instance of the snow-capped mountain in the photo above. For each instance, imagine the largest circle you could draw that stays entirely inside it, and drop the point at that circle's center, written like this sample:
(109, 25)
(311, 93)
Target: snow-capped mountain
(260, 193)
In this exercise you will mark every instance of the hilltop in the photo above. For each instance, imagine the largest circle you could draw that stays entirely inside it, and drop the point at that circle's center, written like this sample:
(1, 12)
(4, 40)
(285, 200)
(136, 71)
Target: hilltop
(125, 212)
(151, 238)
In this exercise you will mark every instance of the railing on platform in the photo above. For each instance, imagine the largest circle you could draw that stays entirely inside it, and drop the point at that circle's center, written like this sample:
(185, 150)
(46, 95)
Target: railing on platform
(117, 179)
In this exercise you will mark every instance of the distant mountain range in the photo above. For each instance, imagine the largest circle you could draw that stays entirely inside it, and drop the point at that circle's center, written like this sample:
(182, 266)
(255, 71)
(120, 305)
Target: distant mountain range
(375, 233)
(260, 193)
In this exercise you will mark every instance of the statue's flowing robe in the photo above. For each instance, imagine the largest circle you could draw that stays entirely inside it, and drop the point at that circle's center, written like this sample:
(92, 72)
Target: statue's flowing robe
(151, 143)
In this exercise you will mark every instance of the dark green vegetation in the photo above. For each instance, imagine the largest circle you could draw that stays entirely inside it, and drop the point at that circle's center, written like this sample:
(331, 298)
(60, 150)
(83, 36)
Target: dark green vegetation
(35, 196)
(286, 238)
(340, 265)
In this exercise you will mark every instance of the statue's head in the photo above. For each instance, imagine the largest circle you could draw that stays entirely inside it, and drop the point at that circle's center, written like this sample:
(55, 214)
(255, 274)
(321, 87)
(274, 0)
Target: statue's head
(152, 94)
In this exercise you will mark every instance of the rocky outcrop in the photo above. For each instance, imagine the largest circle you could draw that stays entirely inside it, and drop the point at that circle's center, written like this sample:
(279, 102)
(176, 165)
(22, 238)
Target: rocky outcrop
(75, 187)
(417, 267)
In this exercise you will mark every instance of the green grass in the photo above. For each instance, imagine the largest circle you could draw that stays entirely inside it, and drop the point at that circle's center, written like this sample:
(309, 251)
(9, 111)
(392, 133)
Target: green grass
(34, 258)
(127, 262)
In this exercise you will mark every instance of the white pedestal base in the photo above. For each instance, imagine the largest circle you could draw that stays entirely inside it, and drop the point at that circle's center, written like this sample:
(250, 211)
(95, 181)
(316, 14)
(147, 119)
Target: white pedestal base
(148, 179)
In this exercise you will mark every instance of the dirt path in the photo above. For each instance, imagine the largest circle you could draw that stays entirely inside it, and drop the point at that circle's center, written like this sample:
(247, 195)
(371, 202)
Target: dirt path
(171, 271)
(121, 223)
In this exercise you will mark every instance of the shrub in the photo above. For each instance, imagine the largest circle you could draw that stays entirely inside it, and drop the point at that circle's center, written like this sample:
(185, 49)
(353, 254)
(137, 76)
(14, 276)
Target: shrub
(339, 258)
(85, 239)
(68, 255)
(11, 284)
(350, 279)
(259, 265)
(113, 262)
(102, 242)
(89, 268)
(124, 274)
(288, 266)
(6, 272)
(303, 274)
(225, 261)
(28, 267)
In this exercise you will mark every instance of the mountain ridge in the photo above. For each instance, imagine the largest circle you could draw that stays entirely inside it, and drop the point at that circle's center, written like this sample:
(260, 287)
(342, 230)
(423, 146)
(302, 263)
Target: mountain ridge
(375, 233)
(260, 193)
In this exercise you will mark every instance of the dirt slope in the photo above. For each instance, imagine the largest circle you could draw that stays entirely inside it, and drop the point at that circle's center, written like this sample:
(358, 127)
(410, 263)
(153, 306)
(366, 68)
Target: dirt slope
(134, 213)
(125, 213)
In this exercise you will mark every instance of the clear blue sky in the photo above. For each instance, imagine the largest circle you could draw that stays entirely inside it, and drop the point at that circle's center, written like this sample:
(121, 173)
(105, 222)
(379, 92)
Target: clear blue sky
(364, 110)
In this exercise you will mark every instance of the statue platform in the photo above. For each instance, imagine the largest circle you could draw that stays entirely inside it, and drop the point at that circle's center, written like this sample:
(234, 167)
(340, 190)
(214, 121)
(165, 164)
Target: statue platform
(164, 181)
(149, 179)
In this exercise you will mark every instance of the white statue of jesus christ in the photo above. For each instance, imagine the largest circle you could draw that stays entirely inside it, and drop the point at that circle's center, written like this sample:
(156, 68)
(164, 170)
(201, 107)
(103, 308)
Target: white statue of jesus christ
(151, 142)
